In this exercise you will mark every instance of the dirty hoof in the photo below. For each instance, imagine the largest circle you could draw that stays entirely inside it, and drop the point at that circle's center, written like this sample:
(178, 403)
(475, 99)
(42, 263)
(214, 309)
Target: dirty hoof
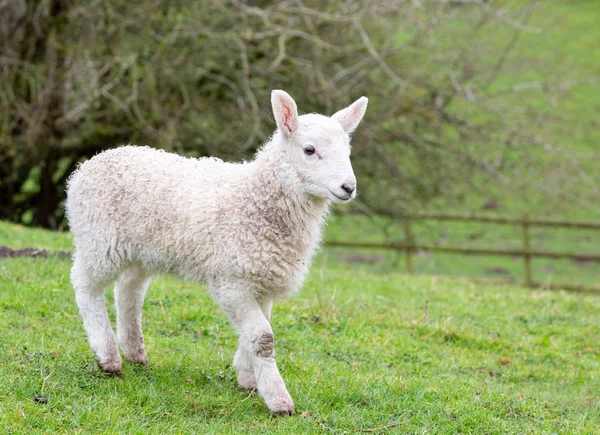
(284, 413)
(137, 357)
(246, 379)
(280, 404)
(247, 387)
(115, 373)
(246, 382)
(283, 408)
(112, 369)
(138, 361)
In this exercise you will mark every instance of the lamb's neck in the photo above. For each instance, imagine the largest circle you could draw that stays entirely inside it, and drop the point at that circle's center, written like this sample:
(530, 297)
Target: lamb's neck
(282, 189)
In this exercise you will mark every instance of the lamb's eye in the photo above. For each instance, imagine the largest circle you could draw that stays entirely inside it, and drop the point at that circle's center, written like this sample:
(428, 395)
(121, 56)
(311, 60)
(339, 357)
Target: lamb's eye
(309, 150)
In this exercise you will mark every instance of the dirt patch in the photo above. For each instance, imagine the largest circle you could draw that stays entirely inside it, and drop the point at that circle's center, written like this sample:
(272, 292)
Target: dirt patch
(6, 252)
(490, 205)
(497, 271)
(582, 261)
(358, 259)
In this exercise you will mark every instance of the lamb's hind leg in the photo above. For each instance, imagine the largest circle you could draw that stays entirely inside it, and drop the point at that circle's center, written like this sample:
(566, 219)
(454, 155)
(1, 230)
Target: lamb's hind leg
(242, 362)
(89, 289)
(130, 289)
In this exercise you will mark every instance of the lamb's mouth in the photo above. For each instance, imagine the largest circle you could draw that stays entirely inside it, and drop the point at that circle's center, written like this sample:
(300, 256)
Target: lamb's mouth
(341, 198)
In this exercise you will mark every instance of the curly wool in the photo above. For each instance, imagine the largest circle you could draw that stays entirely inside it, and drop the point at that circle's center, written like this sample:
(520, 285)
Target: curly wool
(204, 219)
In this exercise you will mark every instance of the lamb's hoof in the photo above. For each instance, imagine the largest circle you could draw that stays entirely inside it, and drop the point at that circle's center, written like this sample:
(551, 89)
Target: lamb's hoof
(284, 413)
(112, 372)
(246, 383)
(111, 367)
(139, 358)
(251, 387)
(282, 407)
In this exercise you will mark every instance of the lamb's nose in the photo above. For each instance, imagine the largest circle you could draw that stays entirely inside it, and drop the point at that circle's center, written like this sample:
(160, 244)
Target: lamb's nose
(348, 188)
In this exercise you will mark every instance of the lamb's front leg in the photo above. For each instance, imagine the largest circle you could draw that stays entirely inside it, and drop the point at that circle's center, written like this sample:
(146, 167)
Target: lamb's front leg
(242, 362)
(256, 343)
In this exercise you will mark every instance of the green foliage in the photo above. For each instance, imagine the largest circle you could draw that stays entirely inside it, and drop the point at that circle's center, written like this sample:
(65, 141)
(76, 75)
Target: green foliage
(358, 351)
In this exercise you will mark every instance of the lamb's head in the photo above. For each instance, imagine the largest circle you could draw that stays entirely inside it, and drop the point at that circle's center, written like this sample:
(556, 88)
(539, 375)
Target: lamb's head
(318, 147)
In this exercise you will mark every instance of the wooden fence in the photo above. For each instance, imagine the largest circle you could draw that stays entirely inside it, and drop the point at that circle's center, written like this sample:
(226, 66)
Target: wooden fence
(410, 246)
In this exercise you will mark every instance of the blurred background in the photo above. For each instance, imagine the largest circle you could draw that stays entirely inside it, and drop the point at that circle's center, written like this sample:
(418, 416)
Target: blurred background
(477, 108)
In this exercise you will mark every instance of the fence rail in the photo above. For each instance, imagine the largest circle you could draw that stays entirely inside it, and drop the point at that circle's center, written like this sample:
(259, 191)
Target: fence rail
(409, 246)
(505, 220)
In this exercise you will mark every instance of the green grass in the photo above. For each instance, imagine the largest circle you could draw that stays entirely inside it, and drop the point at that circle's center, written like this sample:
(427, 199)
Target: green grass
(19, 237)
(357, 350)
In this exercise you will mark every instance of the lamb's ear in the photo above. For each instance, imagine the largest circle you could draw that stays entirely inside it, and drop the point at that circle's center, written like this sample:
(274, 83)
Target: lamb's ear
(351, 116)
(285, 112)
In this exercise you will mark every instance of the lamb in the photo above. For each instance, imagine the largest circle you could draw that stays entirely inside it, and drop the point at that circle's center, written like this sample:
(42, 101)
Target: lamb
(247, 230)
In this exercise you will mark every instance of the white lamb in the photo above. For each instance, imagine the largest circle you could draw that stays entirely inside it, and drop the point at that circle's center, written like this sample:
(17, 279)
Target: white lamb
(247, 230)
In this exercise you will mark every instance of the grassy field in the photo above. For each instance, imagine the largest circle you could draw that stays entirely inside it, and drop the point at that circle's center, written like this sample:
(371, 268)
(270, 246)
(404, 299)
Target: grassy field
(362, 348)
(359, 351)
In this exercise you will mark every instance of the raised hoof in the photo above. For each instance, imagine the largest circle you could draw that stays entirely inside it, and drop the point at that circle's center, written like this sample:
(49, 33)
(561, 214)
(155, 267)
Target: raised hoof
(247, 387)
(283, 413)
(246, 380)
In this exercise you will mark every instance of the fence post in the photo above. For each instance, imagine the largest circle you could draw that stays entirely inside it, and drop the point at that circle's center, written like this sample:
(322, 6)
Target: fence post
(408, 241)
(527, 252)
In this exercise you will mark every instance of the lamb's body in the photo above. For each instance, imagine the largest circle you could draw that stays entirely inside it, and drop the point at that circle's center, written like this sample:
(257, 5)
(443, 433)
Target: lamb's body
(247, 230)
(204, 219)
